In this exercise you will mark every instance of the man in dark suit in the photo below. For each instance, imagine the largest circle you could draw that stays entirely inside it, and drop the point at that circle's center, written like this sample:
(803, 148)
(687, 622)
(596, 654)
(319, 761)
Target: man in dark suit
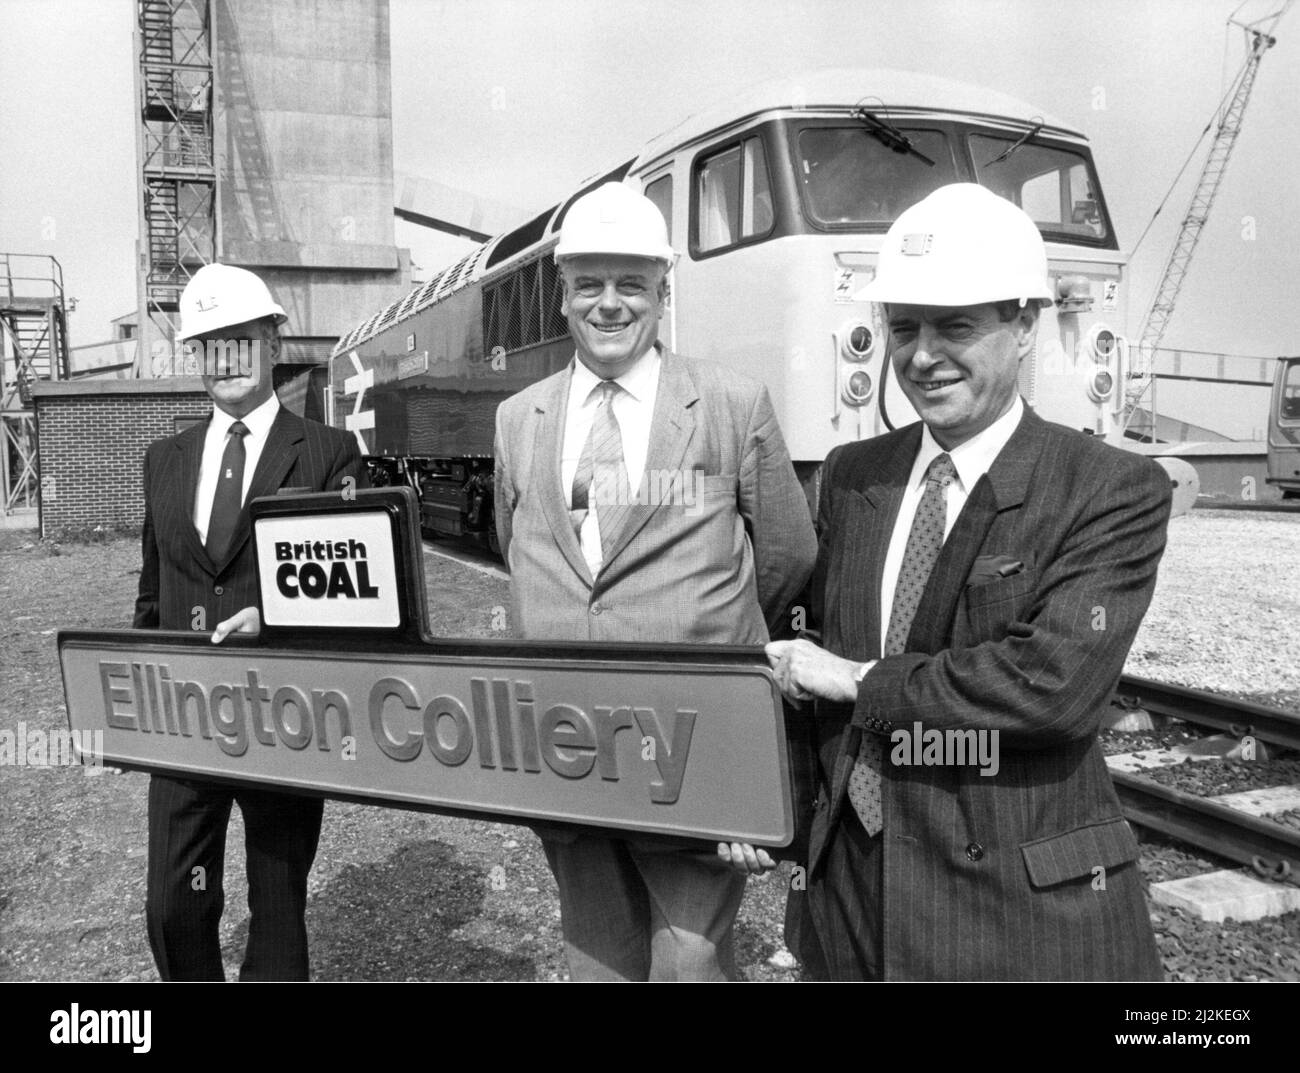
(980, 578)
(198, 573)
(643, 496)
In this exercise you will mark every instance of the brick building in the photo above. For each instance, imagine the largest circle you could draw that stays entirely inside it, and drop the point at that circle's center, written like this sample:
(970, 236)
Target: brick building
(92, 435)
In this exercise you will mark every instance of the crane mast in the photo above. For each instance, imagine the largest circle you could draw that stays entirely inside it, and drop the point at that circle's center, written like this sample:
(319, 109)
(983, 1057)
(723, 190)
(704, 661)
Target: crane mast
(1139, 420)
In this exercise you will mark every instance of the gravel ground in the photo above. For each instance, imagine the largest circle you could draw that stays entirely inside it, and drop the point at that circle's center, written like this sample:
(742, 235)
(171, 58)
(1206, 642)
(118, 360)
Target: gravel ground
(399, 895)
(1226, 607)
(1115, 742)
(1209, 778)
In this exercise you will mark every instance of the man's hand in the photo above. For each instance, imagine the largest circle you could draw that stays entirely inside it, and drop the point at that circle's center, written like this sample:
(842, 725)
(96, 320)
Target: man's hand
(745, 858)
(803, 670)
(248, 620)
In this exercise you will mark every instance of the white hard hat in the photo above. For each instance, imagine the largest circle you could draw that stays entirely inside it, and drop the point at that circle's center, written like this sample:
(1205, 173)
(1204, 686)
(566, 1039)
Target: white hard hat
(221, 295)
(963, 245)
(614, 218)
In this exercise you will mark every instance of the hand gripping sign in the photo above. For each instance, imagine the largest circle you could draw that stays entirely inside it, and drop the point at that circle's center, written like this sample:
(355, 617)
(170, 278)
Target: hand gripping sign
(346, 695)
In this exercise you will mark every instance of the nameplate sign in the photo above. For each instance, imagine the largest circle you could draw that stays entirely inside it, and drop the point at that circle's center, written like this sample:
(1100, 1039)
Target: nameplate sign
(680, 741)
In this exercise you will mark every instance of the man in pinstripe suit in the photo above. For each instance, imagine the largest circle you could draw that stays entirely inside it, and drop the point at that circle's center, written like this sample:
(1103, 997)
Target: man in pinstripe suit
(198, 572)
(980, 578)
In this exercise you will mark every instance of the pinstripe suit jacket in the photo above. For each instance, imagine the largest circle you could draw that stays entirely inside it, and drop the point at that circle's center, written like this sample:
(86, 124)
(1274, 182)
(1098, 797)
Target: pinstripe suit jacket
(721, 568)
(178, 578)
(997, 877)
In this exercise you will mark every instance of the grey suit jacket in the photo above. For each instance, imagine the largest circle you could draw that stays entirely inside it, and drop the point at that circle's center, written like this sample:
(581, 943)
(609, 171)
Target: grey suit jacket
(1028, 873)
(720, 566)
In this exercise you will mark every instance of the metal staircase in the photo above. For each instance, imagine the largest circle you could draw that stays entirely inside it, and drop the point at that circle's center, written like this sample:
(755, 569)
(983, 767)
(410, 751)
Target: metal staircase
(178, 176)
(34, 342)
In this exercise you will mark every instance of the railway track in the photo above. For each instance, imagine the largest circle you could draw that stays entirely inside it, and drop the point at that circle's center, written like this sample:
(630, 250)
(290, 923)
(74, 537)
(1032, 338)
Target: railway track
(1202, 708)
(1274, 506)
(1272, 849)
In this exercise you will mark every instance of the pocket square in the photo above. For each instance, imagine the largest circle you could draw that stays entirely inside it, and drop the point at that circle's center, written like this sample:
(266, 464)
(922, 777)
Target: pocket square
(993, 568)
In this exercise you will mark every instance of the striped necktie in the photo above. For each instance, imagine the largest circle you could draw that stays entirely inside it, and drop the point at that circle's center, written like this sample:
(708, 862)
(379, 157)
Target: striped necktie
(601, 479)
(229, 497)
(923, 546)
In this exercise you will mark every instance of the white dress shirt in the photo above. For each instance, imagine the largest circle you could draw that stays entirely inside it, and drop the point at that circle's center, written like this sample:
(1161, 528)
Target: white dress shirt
(634, 409)
(259, 424)
(971, 460)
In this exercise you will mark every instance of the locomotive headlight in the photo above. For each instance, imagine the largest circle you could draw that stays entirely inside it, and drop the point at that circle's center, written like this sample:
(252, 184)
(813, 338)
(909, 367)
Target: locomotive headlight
(858, 388)
(857, 341)
(1073, 294)
(1103, 344)
(1101, 385)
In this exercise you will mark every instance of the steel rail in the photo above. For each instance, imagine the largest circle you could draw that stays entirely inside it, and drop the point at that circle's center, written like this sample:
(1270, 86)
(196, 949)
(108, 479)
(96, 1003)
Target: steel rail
(1236, 717)
(1271, 849)
(1270, 506)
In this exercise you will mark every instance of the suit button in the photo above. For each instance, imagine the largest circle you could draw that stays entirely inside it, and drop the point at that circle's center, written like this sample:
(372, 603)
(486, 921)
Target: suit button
(819, 804)
(595, 609)
(974, 852)
(218, 589)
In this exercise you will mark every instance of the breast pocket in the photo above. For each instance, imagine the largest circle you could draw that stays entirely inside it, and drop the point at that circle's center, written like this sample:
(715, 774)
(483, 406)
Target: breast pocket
(993, 606)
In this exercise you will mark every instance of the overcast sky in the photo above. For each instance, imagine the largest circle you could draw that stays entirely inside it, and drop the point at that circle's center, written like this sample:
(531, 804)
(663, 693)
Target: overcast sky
(519, 101)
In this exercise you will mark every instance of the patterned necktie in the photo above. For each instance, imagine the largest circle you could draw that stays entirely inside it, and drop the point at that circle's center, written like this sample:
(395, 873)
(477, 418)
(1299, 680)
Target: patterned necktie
(601, 480)
(923, 546)
(229, 497)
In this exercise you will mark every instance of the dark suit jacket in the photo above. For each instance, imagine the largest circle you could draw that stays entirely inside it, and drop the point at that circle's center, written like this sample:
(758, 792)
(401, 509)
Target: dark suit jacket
(997, 877)
(178, 578)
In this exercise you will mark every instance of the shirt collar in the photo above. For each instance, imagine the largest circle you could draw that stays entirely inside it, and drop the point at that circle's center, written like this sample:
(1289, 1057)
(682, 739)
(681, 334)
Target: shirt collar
(258, 422)
(637, 381)
(973, 458)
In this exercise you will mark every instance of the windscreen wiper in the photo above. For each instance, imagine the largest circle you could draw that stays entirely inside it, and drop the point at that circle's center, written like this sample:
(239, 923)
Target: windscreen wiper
(889, 135)
(1016, 144)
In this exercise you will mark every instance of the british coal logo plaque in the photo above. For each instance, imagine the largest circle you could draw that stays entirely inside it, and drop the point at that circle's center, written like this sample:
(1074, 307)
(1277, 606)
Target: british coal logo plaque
(342, 563)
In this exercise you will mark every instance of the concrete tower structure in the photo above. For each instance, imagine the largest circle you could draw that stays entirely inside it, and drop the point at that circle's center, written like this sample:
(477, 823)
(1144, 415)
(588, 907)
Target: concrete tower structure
(295, 181)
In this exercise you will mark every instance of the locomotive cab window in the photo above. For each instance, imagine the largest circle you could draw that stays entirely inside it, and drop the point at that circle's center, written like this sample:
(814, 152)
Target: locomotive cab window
(851, 179)
(660, 191)
(1055, 186)
(1288, 410)
(733, 197)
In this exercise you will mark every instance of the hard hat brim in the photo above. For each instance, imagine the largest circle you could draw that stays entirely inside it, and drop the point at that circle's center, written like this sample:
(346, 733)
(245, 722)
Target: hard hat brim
(277, 314)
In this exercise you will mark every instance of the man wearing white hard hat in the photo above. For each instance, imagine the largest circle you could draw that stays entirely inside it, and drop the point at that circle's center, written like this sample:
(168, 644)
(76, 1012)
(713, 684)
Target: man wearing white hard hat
(643, 496)
(198, 574)
(980, 577)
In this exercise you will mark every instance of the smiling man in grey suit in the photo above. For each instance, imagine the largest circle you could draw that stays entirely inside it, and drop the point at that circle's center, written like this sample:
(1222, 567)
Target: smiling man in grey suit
(642, 496)
(980, 577)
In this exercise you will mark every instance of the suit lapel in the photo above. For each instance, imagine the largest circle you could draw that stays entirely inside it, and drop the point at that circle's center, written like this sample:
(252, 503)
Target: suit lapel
(882, 488)
(548, 449)
(671, 429)
(189, 447)
(878, 485)
(279, 456)
(1002, 488)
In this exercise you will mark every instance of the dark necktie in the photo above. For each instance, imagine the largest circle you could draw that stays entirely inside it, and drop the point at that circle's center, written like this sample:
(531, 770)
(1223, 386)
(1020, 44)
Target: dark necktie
(229, 497)
(923, 546)
(601, 479)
